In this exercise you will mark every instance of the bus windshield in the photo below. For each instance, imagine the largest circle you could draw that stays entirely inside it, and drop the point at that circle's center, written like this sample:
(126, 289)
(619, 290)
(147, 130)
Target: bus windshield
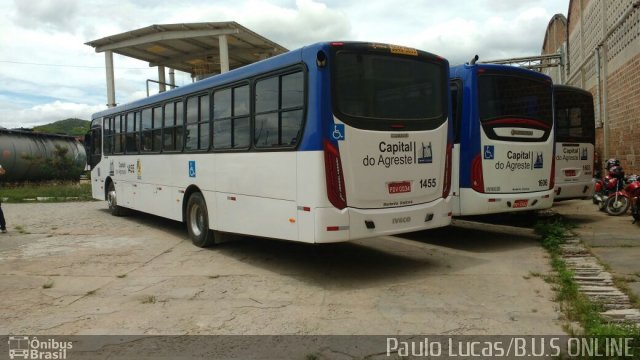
(371, 90)
(514, 96)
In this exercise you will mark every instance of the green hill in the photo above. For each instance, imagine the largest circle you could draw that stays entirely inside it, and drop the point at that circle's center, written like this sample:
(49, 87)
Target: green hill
(73, 127)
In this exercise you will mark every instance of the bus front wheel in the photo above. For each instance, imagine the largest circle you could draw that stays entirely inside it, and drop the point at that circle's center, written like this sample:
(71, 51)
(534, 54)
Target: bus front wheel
(198, 221)
(112, 200)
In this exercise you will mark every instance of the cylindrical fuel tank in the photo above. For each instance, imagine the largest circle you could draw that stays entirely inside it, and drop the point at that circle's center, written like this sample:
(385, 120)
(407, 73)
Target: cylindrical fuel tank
(23, 153)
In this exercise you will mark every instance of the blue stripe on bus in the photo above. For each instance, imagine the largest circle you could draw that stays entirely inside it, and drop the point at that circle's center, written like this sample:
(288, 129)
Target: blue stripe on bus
(470, 147)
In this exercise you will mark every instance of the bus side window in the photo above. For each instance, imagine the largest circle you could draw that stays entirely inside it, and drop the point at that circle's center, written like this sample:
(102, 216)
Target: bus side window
(456, 108)
(222, 119)
(146, 132)
(131, 134)
(169, 130)
(192, 124)
(241, 132)
(156, 133)
(108, 137)
(279, 109)
(117, 137)
(231, 118)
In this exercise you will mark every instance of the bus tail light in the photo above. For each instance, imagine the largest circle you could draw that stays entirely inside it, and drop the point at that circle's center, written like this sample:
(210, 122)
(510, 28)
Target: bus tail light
(477, 182)
(335, 178)
(447, 172)
(552, 181)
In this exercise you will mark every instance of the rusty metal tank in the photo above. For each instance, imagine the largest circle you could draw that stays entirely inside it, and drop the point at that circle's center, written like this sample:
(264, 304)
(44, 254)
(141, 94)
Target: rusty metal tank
(25, 155)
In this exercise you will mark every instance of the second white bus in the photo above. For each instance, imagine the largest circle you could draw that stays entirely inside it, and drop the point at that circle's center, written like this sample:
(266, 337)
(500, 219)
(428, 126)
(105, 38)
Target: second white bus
(504, 139)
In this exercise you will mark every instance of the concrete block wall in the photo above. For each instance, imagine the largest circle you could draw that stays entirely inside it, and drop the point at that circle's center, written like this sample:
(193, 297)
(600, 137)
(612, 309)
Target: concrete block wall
(617, 99)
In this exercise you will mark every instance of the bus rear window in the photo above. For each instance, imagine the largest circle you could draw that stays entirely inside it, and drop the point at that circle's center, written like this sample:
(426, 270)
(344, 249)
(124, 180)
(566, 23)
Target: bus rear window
(371, 90)
(514, 96)
(575, 120)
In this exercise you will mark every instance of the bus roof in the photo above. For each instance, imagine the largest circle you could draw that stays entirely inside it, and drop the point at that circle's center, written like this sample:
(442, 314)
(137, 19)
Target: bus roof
(498, 67)
(279, 61)
(572, 88)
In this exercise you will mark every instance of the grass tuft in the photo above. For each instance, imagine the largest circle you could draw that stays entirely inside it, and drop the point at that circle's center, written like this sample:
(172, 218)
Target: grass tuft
(52, 191)
(20, 229)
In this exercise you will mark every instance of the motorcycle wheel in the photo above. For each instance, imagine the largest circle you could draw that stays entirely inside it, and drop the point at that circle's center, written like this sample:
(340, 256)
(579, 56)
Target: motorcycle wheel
(616, 206)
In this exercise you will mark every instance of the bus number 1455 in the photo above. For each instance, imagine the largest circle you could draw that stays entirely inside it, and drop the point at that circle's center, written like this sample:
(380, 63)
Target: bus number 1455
(427, 183)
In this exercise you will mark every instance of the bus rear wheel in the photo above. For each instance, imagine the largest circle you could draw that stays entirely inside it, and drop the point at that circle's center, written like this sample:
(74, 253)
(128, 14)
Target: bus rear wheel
(198, 221)
(112, 200)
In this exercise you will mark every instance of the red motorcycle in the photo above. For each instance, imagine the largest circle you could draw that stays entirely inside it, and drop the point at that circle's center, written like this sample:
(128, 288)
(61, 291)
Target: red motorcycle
(633, 189)
(619, 201)
(605, 186)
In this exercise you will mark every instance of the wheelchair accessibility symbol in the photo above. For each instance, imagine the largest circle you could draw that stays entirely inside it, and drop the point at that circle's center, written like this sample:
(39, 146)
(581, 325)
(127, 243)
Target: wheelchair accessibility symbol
(192, 168)
(338, 132)
(488, 152)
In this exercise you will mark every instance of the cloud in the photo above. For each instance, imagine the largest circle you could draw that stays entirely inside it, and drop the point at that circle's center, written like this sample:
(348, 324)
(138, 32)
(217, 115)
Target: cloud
(54, 32)
(58, 15)
(46, 113)
(494, 37)
(309, 22)
(291, 25)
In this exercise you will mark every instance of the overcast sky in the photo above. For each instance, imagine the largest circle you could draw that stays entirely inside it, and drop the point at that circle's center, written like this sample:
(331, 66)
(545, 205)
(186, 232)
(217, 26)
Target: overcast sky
(48, 74)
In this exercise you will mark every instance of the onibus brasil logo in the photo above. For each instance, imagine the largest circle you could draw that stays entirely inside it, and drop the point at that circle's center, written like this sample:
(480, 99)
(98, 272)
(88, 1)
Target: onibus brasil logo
(25, 347)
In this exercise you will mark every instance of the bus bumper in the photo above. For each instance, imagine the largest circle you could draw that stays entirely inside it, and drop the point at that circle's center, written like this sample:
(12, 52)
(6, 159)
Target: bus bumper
(475, 203)
(577, 190)
(334, 225)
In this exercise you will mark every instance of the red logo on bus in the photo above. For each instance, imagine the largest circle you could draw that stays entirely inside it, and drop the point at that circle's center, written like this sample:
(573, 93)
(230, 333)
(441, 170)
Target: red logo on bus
(399, 187)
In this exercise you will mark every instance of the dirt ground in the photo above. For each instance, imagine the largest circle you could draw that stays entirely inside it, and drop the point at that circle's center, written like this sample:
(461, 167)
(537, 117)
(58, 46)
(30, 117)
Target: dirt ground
(72, 268)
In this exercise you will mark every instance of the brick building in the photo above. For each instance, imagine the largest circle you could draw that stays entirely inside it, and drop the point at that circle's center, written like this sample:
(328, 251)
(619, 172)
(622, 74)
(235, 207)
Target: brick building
(600, 44)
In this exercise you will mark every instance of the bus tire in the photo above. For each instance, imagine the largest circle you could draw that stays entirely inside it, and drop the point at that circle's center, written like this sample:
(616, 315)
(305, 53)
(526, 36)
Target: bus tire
(197, 219)
(112, 200)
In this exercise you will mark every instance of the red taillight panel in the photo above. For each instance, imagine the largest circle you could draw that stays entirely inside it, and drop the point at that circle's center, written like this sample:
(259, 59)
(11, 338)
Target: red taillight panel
(477, 181)
(447, 172)
(552, 182)
(335, 178)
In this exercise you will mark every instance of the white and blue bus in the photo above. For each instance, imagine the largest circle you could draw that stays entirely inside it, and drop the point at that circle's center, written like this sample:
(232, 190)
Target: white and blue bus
(575, 142)
(331, 142)
(503, 157)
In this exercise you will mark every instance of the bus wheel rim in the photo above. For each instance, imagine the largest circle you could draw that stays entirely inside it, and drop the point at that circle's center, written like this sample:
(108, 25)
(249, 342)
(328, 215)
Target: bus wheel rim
(196, 220)
(112, 199)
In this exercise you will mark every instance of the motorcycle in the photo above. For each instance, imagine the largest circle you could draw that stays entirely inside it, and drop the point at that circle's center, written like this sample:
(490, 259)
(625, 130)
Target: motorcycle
(619, 201)
(633, 189)
(604, 186)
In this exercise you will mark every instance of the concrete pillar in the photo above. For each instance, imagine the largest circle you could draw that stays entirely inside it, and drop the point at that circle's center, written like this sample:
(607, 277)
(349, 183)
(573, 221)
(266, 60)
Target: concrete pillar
(111, 91)
(224, 53)
(172, 78)
(161, 79)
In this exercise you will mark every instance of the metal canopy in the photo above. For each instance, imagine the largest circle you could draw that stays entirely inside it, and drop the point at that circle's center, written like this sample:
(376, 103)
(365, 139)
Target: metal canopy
(193, 48)
(201, 49)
